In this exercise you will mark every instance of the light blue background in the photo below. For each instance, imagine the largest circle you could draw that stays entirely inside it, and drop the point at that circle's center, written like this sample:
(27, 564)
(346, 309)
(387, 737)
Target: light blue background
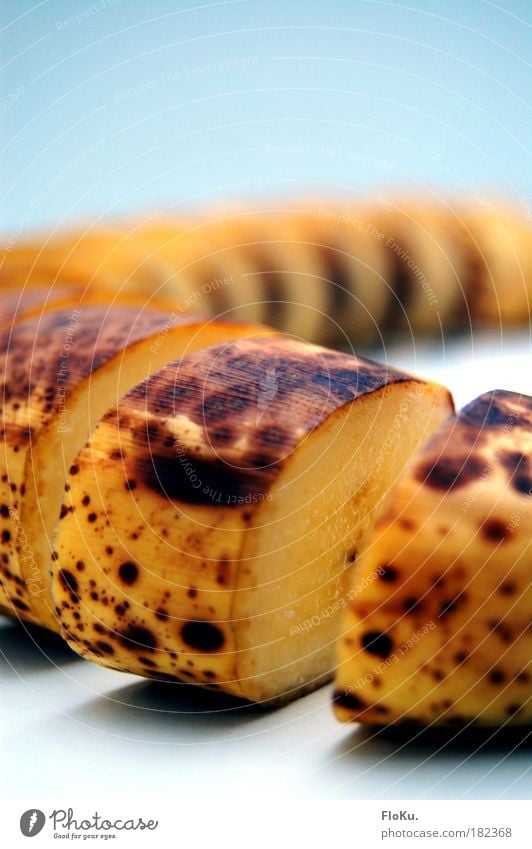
(147, 104)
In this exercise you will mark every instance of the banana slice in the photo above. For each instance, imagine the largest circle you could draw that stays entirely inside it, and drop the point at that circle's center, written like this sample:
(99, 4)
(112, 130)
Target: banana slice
(211, 524)
(503, 294)
(230, 235)
(356, 270)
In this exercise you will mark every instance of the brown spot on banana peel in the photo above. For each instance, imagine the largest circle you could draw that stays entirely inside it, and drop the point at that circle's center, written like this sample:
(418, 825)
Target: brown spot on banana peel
(167, 475)
(451, 472)
(136, 638)
(128, 572)
(520, 471)
(203, 636)
(377, 643)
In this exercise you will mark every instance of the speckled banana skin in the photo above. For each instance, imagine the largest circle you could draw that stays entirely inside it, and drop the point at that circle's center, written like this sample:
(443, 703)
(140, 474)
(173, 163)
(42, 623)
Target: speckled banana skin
(438, 631)
(327, 271)
(149, 562)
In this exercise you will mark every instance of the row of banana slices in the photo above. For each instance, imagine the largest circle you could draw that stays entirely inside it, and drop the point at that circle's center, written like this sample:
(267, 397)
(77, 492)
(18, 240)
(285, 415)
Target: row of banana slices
(325, 271)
